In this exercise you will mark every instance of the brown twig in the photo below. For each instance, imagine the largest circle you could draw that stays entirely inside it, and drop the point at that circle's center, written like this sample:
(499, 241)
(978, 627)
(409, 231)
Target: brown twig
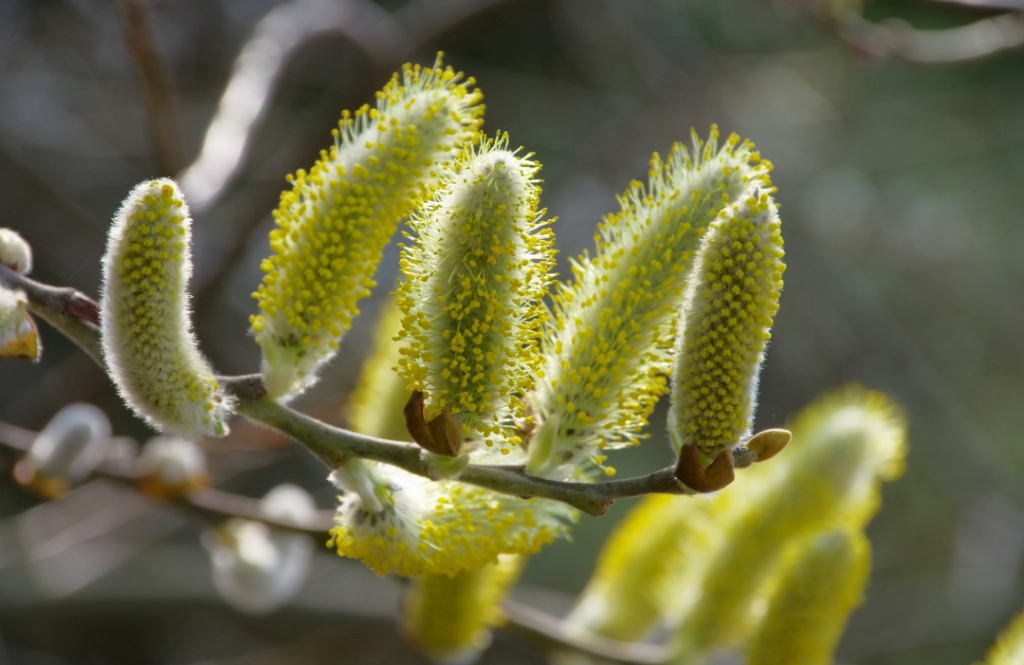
(156, 86)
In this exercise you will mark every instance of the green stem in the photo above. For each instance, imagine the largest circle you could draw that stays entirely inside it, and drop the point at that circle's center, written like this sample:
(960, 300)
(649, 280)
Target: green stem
(76, 316)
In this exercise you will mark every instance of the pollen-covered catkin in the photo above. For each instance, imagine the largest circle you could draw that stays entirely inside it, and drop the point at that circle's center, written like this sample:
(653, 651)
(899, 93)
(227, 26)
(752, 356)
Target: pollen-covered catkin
(724, 326)
(148, 345)
(375, 406)
(475, 278)
(337, 218)
(408, 525)
(648, 569)
(608, 348)
(844, 445)
(449, 617)
(814, 595)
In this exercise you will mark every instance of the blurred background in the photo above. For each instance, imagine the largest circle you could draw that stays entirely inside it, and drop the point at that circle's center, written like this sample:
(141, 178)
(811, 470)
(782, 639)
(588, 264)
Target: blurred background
(897, 132)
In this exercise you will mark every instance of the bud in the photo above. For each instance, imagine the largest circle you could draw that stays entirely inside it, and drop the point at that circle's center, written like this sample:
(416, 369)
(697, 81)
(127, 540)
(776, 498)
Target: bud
(475, 278)
(724, 327)
(815, 594)
(66, 451)
(148, 345)
(170, 467)
(608, 349)
(257, 568)
(19, 337)
(337, 218)
(15, 253)
(844, 445)
(449, 618)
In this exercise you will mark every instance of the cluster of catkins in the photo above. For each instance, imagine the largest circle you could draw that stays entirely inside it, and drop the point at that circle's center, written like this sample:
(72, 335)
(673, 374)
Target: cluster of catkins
(501, 367)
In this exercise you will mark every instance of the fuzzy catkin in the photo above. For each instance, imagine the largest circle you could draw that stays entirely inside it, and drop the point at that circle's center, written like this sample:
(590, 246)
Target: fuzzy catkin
(475, 278)
(608, 347)
(148, 345)
(408, 525)
(648, 569)
(449, 617)
(814, 595)
(724, 327)
(337, 218)
(844, 445)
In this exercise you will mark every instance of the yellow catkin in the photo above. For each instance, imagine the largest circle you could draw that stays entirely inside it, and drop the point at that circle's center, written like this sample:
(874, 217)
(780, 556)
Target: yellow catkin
(337, 218)
(816, 591)
(474, 282)
(449, 618)
(608, 348)
(843, 446)
(375, 407)
(396, 522)
(399, 523)
(148, 345)
(724, 326)
(648, 569)
(1009, 649)
(444, 614)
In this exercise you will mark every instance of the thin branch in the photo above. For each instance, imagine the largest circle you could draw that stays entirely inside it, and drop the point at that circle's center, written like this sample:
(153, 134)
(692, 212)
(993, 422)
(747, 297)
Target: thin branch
(74, 314)
(386, 41)
(984, 5)
(211, 503)
(156, 86)
(257, 72)
(332, 445)
(548, 632)
(896, 38)
(71, 312)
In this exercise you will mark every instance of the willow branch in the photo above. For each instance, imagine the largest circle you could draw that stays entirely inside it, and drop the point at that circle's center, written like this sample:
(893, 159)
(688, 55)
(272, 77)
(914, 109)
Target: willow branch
(156, 85)
(71, 312)
(894, 38)
(211, 503)
(333, 445)
(984, 5)
(76, 315)
(548, 632)
(257, 72)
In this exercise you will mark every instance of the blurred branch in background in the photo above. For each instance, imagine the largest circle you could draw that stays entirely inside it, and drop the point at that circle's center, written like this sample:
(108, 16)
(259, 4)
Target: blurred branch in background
(896, 38)
(987, 5)
(211, 503)
(259, 68)
(156, 86)
(384, 39)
